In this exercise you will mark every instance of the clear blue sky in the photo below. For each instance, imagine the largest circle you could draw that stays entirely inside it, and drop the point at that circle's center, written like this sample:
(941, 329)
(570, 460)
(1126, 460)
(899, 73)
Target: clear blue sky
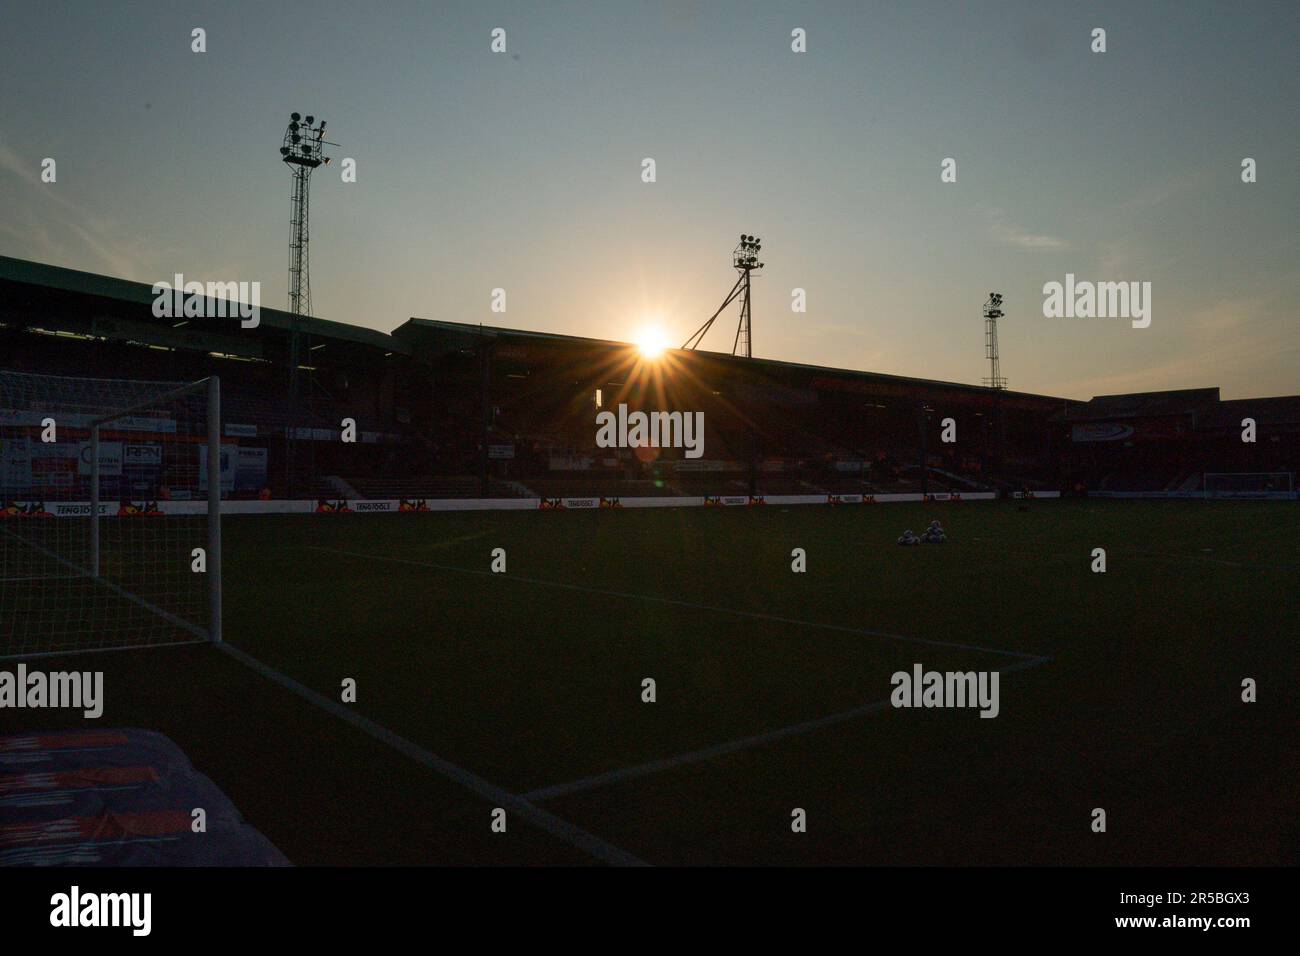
(478, 170)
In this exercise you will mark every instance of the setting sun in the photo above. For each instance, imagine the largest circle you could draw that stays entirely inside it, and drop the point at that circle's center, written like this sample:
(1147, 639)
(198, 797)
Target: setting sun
(652, 340)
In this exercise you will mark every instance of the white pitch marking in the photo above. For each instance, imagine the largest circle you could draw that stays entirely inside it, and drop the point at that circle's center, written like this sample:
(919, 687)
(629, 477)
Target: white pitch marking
(574, 835)
(731, 746)
(753, 615)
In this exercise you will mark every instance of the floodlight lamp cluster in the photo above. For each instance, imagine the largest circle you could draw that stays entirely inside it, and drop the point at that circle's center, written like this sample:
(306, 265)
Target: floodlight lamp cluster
(303, 142)
(745, 255)
(993, 308)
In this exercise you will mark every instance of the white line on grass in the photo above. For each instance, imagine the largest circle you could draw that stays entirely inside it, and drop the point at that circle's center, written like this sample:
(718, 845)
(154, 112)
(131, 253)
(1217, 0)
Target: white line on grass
(1084, 558)
(675, 602)
(1208, 560)
(731, 746)
(199, 633)
(574, 835)
(41, 577)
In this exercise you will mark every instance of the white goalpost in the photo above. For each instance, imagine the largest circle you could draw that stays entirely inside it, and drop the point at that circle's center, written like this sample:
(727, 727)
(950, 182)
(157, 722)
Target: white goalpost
(110, 513)
(1249, 484)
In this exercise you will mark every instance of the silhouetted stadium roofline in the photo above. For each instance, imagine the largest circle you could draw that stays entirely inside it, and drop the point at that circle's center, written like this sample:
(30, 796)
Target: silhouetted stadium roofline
(1278, 410)
(135, 301)
(1202, 405)
(41, 277)
(1182, 401)
(468, 332)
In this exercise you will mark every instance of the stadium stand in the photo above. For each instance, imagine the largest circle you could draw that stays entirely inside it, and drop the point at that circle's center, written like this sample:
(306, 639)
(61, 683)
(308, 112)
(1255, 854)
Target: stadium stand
(1165, 442)
(456, 410)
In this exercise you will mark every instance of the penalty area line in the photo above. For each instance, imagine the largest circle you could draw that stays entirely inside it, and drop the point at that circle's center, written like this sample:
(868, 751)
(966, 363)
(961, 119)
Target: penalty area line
(574, 835)
(732, 746)
(691, 605)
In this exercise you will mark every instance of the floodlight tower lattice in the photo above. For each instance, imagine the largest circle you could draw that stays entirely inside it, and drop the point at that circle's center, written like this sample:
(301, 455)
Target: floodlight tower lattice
(744, 258)
(993, 312)
(303, 151)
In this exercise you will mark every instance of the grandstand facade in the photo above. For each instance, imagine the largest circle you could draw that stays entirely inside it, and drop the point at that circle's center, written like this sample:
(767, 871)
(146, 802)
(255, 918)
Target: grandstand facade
(1166, 442)
(769, 427)
(448, 409)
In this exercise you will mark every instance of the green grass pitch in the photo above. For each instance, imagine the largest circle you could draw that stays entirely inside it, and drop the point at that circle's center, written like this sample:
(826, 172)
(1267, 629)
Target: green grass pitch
(1119, 690)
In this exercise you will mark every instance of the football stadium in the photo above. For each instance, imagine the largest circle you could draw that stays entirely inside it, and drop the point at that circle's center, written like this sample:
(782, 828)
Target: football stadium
(417, 573)
(839, 456)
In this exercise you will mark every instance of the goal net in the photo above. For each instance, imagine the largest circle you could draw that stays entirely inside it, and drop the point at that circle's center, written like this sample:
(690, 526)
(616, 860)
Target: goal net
(1250, 484)
(110, 531)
